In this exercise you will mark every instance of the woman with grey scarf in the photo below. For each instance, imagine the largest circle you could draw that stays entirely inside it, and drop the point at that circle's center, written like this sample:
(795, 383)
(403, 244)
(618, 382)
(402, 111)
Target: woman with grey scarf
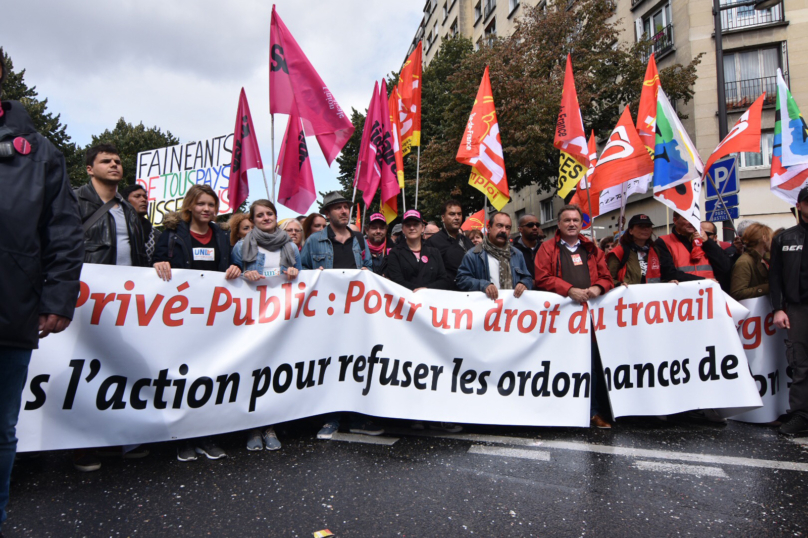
(266, 251)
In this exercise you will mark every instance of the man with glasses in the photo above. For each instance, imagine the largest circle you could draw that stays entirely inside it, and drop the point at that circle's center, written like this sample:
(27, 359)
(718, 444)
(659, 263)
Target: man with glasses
(529, 240)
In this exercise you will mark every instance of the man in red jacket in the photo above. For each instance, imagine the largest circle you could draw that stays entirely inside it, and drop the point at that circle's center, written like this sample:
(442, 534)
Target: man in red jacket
(571, 265)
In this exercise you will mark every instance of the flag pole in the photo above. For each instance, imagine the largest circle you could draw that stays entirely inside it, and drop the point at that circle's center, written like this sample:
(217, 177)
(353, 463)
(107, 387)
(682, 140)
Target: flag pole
(272, 138)
(622, 208)
(265, 183)
(417, 175)
(591, 217)
(356, 180)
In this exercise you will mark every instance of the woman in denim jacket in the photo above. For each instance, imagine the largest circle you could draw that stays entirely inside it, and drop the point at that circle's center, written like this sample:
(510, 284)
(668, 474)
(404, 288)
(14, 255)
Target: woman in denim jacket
(266, 251)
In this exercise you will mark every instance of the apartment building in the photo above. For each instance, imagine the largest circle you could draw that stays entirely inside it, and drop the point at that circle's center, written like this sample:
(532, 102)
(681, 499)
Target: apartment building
(755, 44)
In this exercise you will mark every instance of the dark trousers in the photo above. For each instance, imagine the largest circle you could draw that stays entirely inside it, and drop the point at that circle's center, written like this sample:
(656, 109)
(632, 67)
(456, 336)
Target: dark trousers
(599, 394)
(797, 355)
(13, 371)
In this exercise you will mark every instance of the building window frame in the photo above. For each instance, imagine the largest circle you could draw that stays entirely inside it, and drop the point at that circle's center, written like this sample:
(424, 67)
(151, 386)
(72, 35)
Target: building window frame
(547, 214)
(762, 160)
(741, 89)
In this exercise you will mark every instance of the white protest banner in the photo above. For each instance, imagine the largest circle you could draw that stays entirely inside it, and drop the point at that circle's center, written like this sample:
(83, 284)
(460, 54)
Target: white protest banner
(146, 360)
(168, 173)
(766, 353)
(669, 348)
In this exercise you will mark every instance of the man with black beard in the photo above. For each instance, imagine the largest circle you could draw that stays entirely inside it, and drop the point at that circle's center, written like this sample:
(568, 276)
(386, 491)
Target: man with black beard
(494, 264)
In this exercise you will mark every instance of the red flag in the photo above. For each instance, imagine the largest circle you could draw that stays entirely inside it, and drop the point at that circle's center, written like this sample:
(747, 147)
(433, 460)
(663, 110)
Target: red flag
(293, 82)
(386, 159)
(475, 221)
(481, 147)
(624, 158)
(581, 197)
(745, 136)
(646, 115)
(245, 154)
(395, 124)
(297, 190)
(409, 86)
(570, 135)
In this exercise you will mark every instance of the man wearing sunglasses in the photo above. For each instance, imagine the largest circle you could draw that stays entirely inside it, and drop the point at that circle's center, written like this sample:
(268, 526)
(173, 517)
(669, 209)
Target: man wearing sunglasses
(529, 240)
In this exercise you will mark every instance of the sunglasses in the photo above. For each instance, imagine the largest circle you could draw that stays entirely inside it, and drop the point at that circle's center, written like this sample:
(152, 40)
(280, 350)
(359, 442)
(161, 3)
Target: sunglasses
(531, 225)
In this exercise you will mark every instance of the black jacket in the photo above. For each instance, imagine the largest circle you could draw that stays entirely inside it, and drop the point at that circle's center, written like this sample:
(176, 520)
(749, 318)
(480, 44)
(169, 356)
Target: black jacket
(720, 262)
(451, 251)
(100, 242)
(528, 254)
(404, 268)
(175, 248)
(784, 267)
(41, 247)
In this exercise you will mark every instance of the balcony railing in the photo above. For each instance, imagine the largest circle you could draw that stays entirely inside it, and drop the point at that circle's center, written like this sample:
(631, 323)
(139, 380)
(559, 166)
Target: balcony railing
(661, 42)
(490, 6)
(747, 16)
(740, 94)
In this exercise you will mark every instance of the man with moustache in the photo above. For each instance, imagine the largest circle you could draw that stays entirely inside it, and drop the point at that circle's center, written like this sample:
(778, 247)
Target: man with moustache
(376, 233)
(451, 244)
(494, 264)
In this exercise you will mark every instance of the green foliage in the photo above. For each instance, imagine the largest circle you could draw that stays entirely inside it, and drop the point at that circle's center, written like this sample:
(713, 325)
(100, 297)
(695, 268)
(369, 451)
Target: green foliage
(130, 140)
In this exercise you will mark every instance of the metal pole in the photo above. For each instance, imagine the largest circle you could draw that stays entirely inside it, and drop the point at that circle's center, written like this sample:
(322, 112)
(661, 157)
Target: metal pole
(622, 208)
(272, 138)
(591, 216)
(265, 186)
(417, 177)
(722, 100)
(356, 180)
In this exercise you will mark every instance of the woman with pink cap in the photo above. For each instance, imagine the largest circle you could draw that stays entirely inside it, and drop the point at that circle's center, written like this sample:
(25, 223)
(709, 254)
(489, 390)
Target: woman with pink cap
(411, 263)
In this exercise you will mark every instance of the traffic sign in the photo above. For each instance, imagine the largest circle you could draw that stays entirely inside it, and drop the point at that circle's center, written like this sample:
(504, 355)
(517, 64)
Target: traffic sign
(719, 215)
(725, 176)
(731, 200)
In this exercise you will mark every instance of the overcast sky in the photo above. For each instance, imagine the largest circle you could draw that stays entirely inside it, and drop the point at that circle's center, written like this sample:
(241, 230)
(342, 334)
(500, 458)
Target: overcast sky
(179, 64)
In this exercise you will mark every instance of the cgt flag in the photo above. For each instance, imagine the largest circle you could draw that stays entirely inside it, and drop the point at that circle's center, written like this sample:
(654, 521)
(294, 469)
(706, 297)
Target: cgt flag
(786, 181)
(481, 148)
(395, 124)
(409, 105)
(475, 222)
(294, 84)
(623, 159)
(570, 137)
(581, 197)
(245, 154)
(744, 136)
(647, 113)
(297, 190)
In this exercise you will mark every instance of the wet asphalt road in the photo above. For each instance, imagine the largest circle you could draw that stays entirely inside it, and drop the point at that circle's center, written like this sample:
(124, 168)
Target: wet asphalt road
(644, 478)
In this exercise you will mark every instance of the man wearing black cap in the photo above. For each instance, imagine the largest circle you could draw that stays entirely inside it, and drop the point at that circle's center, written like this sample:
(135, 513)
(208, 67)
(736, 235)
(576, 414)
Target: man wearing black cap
(635, 259)
(336, 246)
(376, 232)
(41, 254)
(788, 289)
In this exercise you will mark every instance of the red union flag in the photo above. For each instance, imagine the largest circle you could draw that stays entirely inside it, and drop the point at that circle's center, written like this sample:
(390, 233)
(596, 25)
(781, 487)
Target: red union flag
(646, 115)
(624, 158)
(409, 105)
(297, 190)
(481, 148)
(744, 136)
(294, 84)
(395, 125)
(245, 154)
(570, 137)
(581, 196)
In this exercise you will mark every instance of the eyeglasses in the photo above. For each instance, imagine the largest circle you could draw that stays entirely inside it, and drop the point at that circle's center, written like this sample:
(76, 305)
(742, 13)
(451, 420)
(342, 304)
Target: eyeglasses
(531, 225)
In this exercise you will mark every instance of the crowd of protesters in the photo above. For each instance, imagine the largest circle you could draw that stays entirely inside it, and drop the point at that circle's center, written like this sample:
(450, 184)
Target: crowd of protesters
(52, 229)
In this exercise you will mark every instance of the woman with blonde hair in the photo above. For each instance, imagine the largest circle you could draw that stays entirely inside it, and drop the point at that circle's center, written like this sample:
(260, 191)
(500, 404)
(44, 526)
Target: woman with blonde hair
(240, 225)
(295, 231)
(750, 274)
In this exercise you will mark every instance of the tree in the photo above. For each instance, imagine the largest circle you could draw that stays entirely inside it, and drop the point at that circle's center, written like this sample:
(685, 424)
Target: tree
(130, 140)
(527, 74)
(48, 125)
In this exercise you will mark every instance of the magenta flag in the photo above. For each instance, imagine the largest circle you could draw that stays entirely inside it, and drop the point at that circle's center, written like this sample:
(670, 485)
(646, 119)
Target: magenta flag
(294, 83)
(297, 182)
(363, 172)
(245, 154)
(386, 154)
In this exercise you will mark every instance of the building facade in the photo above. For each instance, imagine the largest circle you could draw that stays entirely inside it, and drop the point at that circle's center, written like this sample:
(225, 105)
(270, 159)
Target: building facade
(755, 45)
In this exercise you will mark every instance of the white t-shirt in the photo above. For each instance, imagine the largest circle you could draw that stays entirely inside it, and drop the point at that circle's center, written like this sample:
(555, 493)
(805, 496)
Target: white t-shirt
(493, 268)
(122, 247)
(272, 262)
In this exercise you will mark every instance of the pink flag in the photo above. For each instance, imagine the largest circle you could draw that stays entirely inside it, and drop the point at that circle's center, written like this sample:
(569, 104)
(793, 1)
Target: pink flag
(293, 82)
(297, 182)
(377, 156)
(245, 154)
(386, 159)
(362, 177)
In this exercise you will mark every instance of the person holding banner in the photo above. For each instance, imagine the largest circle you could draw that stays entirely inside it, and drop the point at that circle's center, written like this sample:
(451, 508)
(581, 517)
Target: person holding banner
(450, 241)
(686, 254)
(266, 251)
(572, 266)
(240, 225)
(750, 274)
(494, 264)
(788, 283)
(411, 263)
(635, 259)
(376, 233)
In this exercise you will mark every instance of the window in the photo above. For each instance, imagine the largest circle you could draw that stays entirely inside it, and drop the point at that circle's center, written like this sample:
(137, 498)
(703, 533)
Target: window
(658, 27)
(453, 30)
(429, 41)
(547, 211)
(747, 74)
(478, 44)
(490, 7)
(746, 16)
(445, 11)
(519, 214)
(513, 4)
(478, 12)
(762, 159)
(491, 33)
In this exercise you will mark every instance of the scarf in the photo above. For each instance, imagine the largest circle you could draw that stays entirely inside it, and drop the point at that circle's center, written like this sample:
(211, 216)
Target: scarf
(278, 240)
(503, 256)
(377, 250)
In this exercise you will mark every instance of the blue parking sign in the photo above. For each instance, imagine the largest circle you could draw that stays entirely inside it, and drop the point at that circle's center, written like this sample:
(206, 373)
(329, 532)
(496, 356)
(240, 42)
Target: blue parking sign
(724, 174)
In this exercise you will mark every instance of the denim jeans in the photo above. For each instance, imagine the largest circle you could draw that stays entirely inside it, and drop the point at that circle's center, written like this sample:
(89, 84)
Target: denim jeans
(13, 371)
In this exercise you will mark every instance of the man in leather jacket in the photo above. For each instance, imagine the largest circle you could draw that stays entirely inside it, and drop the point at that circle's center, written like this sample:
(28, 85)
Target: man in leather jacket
(788, 289)
(114, 237)
(40, 260)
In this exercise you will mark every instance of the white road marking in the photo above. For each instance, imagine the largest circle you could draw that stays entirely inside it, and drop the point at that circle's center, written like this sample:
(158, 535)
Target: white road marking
(799, 441)
(623, 451)
(680, 468)
(367, 439)
(510, 452)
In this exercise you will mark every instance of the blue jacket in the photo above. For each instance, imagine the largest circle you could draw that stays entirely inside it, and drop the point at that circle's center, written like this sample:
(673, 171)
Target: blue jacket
(473, 274)
(318, 251)
(258, 263)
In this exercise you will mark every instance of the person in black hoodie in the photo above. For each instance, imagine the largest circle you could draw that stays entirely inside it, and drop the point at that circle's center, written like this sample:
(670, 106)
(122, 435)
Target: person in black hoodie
(40, 261)
(413, 264)
(193, 241)
(451, 244)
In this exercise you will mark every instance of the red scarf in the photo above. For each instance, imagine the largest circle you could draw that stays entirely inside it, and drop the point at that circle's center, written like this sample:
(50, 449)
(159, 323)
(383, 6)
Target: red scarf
(377, 250)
